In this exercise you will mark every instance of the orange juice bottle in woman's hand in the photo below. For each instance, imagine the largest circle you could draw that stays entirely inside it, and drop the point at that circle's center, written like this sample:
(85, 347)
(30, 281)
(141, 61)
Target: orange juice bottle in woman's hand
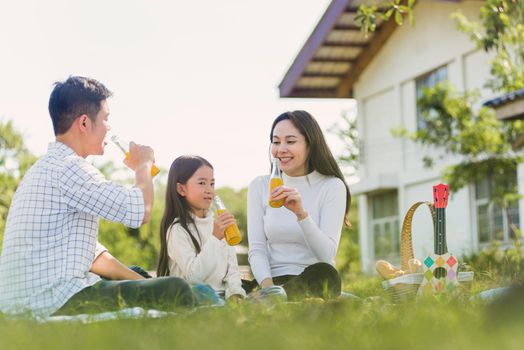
(120, 144)
(275, 181)
(232, 233)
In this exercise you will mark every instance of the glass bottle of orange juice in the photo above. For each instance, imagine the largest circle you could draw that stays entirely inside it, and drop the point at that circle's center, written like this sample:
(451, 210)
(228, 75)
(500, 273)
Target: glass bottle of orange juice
(120, 144)
(275, 181)
(232, 233)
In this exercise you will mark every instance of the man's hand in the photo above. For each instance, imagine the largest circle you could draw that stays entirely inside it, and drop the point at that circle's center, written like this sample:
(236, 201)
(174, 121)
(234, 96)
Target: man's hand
(139, 155)
(140, 159)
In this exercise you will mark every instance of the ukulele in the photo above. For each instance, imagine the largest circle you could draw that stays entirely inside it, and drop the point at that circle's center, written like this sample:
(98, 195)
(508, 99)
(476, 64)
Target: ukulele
(440, 268)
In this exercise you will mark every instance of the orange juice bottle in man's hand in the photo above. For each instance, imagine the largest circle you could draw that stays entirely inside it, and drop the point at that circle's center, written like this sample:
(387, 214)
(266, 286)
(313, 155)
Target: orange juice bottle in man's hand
(120, 144)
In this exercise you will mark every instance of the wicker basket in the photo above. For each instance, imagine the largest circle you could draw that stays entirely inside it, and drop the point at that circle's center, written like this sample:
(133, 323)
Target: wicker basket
(405, 287)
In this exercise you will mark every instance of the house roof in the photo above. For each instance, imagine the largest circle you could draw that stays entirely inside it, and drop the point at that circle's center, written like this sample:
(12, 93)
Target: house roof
(505, 99)
(335, 54)
(508, 106)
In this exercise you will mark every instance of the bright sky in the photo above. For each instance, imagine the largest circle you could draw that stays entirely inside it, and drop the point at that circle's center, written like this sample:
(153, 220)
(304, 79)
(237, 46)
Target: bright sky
(196, 77)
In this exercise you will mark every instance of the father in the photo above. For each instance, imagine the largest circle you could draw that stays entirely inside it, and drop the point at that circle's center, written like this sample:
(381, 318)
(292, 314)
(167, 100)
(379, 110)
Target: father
(51, 260)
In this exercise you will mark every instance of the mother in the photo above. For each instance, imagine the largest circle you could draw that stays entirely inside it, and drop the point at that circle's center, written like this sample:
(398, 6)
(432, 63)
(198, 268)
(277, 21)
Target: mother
(295, 245)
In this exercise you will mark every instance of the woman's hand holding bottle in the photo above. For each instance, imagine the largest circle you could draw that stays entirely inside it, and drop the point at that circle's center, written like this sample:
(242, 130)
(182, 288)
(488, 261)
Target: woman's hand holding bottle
(292, 200)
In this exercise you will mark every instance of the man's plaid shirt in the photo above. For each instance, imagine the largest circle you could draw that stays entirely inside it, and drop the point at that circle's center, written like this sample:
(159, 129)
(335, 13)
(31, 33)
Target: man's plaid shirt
(50, 239)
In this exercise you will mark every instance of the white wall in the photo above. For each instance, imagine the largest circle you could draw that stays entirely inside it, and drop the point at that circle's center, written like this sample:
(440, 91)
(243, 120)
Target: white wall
(382, 152)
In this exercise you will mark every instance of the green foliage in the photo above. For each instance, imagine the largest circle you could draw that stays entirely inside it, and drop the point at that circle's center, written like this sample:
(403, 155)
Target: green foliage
(483, 142)
(501, 31)
(498, 265)
(369, 15)
(347, 132)
(15, 159)
(348, 255)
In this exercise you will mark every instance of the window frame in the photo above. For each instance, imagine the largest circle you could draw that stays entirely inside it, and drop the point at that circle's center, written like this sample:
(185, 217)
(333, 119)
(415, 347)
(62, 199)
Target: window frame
(421, 82)
(492, 209)
(392, 220)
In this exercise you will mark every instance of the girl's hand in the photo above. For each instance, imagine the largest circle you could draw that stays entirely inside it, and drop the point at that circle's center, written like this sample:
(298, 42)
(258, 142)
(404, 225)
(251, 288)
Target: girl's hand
(222, 222)
(292, 200)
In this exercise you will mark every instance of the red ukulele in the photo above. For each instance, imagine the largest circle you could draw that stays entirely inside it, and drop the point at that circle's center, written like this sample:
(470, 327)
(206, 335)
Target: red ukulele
(440, 268)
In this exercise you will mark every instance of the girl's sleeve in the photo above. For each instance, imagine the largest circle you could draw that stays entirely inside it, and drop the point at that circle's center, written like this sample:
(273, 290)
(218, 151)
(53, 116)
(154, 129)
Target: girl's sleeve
(323, 238)
(195, 267)
(233, 281)
(258, 254)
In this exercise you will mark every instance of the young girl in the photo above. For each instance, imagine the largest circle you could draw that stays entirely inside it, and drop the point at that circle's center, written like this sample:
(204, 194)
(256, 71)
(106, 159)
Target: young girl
(192, 244)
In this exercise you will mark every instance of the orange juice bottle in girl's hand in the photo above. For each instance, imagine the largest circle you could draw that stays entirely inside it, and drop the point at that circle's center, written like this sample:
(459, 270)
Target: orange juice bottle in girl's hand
(120, 144)
(275, 181)
(232, 233)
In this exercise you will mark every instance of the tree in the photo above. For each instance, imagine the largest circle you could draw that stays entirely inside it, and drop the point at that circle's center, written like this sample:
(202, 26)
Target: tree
(482, 142)
(500, 31)
(348, 255)
(15, 159)
(347, 132)
(368, 15)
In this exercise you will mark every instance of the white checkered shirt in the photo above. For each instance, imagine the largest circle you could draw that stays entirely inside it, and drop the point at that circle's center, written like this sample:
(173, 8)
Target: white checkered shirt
(50, 239)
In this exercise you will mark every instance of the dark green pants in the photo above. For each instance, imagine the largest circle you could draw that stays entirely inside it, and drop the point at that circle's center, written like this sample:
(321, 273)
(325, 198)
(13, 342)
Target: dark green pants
(318, 280)
(163, 293)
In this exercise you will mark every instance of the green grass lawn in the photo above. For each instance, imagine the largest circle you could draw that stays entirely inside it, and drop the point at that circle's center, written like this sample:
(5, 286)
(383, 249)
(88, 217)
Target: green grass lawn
(375, 323)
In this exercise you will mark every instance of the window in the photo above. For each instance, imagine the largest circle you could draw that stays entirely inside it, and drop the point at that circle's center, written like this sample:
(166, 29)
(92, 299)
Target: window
(427, 81)
(384, 225)
(492, 223)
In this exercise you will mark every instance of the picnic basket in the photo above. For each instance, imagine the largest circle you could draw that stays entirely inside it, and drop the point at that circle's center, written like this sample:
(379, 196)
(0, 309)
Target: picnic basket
(405, 287)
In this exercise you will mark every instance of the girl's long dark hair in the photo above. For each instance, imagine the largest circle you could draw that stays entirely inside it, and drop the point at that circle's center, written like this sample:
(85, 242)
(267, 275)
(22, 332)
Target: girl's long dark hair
(176, 207)
(320, 157)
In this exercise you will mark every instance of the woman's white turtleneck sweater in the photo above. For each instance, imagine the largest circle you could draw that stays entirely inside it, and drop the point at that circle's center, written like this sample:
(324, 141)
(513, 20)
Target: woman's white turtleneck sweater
(216, 264)
(281, 245)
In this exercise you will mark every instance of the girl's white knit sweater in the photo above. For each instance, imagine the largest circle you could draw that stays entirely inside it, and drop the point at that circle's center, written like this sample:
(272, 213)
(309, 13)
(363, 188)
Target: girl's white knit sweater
(216, 264)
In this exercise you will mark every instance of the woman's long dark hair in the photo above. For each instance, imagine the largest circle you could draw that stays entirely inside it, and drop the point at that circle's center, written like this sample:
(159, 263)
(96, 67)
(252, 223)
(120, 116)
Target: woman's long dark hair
(176, 207)
(320, 157)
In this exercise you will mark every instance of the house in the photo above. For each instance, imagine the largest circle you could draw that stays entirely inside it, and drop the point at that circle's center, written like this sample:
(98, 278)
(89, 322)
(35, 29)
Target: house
(385, 72)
